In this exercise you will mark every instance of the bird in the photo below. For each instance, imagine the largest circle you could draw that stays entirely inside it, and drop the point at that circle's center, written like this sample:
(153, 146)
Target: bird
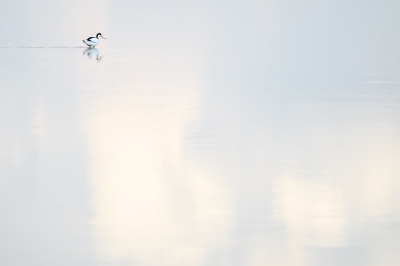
(93, 41)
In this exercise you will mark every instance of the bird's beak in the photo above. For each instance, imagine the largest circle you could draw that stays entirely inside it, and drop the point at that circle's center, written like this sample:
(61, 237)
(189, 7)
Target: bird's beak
(103, 37)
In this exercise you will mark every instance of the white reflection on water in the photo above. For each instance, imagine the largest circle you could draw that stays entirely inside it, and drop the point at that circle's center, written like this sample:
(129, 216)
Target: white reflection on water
(152, 205)
(381, 174)
(92, 53)
(313, 212)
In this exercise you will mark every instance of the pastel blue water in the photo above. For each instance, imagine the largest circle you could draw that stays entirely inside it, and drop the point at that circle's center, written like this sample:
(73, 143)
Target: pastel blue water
(200, 133)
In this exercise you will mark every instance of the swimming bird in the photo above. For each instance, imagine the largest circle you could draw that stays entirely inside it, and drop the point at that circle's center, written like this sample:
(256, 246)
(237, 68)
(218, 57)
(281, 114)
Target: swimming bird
(93, 41)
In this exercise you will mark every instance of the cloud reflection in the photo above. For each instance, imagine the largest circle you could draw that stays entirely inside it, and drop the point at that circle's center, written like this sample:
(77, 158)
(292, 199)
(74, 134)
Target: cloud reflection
(380, 173)
(313, 211)
(153, 205)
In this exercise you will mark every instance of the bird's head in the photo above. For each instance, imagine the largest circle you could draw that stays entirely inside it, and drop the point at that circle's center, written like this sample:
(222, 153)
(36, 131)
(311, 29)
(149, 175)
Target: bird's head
(99, 34)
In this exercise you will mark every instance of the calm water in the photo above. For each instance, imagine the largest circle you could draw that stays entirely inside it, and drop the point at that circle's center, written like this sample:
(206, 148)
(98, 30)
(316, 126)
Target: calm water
(200, 133)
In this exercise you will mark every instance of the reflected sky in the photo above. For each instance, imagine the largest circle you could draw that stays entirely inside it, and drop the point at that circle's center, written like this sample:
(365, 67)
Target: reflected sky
(200, 133)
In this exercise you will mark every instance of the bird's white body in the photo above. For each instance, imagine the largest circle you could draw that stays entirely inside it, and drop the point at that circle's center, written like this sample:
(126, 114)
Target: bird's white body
(93, 41)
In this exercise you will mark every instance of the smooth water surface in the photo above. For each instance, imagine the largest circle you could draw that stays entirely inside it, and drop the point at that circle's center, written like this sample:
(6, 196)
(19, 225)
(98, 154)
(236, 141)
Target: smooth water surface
(200, 133)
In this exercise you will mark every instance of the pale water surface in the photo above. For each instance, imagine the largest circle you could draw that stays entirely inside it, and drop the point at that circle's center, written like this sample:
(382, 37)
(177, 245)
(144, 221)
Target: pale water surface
(200, 133)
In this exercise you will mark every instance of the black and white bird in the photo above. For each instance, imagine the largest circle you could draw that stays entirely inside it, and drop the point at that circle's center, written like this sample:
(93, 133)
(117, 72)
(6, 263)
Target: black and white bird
(93, 41)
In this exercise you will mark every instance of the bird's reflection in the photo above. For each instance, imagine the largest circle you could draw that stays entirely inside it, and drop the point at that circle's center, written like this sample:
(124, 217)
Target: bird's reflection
(92, 53)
